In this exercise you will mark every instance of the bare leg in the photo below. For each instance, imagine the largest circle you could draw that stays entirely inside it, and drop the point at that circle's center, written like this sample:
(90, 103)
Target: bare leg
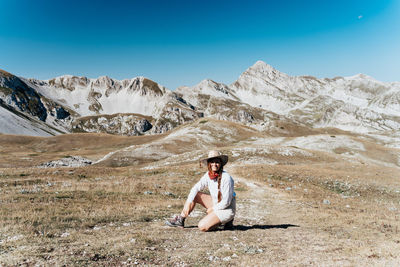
(203, 199)
(209, 222)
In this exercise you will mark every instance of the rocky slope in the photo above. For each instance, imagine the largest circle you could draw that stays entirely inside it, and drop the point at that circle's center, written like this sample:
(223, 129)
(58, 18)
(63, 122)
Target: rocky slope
(358, 103)
(22, 105)
(262, 95)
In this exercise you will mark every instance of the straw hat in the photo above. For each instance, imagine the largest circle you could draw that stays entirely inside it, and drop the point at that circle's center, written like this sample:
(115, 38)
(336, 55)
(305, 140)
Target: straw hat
(215, 154)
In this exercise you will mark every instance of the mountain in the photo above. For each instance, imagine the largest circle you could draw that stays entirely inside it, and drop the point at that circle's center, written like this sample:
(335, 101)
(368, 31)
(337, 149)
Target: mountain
(262, 97)
(99, 96)
(79, 104)
(25, 111)
(358, 103)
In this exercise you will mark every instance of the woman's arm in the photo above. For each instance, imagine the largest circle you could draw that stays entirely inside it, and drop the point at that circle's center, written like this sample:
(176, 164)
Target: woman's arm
(200, 185)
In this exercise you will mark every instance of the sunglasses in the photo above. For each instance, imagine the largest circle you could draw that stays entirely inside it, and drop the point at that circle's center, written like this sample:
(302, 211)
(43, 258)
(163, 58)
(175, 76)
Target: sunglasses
(214, 161)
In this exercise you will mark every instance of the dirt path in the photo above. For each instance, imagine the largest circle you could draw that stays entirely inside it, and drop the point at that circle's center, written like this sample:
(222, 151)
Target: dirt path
(259, 204)
(283, 237)
(271, 229)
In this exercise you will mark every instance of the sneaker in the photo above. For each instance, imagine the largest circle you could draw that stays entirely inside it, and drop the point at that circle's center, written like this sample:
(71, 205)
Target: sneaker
(228, 225)
(177, 221)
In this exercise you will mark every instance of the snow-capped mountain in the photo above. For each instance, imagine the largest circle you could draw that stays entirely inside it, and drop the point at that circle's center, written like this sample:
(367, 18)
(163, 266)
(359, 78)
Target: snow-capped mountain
(25, 111)
(79, 104)
(103, 95)
(261, 97)
(358, 103)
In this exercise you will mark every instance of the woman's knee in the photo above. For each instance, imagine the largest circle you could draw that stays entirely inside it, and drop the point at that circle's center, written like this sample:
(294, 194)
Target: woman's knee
(203, 226)
(209, 222)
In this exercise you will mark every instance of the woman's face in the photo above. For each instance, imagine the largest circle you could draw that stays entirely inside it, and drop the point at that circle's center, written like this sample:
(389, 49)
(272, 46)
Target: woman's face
(215, 164)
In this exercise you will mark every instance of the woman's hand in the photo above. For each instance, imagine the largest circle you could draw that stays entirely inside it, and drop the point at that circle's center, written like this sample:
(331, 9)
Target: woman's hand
(186, 209)
(209, 210)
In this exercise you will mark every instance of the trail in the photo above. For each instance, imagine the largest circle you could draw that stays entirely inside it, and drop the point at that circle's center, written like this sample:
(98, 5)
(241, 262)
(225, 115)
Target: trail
(255, 206)
(276, 220)
(273, 227)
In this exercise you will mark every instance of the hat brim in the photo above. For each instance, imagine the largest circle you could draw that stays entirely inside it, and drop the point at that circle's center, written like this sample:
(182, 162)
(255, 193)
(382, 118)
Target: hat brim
(224, 160)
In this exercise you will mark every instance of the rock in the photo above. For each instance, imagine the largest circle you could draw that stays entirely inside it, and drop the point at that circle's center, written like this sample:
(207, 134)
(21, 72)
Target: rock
(226, 258)
(326, 202)
(245, 117)
(61, 113)
(66, 234)
(169, 194)
(120, 124)
(74, 161)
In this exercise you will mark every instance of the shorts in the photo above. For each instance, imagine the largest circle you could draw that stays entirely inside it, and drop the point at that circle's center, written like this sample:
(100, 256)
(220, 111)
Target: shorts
(227, 214)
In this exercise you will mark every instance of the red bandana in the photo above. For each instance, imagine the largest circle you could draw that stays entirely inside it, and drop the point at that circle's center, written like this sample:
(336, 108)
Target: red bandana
(213, 175)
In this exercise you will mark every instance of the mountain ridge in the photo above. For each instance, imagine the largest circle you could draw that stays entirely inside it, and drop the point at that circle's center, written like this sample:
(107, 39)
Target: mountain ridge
(260, 96)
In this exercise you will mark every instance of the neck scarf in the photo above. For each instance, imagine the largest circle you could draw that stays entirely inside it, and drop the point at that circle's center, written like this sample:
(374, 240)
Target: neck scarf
(213, 175)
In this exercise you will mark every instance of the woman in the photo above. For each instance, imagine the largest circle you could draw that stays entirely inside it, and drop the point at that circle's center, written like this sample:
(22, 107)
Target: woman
(220, 204)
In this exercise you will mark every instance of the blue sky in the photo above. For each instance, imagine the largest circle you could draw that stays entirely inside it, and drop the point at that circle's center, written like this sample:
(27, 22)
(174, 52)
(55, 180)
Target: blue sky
(183, 42)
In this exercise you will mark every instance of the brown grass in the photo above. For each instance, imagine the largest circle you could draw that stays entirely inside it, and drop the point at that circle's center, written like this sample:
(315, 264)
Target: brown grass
(28, 151)
(5, 73)
(324, 210)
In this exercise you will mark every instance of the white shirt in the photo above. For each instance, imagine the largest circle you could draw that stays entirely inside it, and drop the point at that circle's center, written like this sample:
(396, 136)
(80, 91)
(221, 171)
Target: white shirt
(227, 190)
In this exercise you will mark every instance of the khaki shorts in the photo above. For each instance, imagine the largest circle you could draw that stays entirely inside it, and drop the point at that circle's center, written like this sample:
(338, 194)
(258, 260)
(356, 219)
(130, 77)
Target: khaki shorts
(227, 214)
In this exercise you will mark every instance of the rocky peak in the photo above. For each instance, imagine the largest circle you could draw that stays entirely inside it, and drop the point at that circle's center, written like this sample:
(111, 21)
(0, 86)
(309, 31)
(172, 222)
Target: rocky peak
(145, 86)
(104, 82)
(19, 95)
(4, 74)
(68, 82)
(11, 81)
(262, 76)
(7, 79)
(263, 69)
(363, 76)
(152, 88)
(209, 84)
(206, 82)
(214, 88)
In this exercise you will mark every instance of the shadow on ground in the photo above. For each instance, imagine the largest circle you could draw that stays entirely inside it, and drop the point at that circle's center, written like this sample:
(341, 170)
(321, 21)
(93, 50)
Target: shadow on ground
(259, 226)
(250, 227)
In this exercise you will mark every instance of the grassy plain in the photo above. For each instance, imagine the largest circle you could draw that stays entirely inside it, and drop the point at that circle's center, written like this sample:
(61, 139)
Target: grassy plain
(324, 209)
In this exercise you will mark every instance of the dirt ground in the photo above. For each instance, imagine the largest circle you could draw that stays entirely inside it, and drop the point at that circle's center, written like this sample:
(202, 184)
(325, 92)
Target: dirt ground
(323, 209)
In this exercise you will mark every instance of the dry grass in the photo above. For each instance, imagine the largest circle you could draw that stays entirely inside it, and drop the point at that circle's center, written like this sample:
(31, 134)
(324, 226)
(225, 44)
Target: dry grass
(58, 211)
(108, 216)
(6, 74)
(28, 151)
(321, 210)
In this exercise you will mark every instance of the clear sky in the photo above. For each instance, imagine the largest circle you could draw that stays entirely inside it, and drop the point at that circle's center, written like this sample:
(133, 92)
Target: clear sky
(183, 42)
